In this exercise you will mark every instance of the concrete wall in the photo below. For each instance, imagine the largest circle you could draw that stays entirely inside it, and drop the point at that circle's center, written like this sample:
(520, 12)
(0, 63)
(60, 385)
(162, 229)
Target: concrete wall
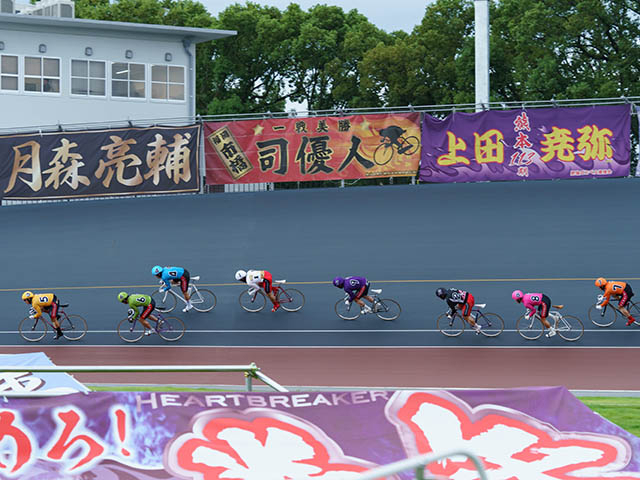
(29, 108)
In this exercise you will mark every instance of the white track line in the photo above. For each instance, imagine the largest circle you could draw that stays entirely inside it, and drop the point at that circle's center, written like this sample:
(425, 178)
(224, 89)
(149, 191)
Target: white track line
(414, 330)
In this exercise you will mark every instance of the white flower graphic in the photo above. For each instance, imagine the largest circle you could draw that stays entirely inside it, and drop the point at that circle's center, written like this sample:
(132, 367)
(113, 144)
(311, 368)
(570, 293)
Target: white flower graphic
(258, 444)
(512, 445)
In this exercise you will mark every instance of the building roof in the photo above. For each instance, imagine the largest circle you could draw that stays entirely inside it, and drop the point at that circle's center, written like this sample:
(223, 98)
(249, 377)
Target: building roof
(81, 25)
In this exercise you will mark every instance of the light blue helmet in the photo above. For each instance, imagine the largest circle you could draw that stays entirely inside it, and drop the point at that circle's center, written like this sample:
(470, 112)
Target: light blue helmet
(157, 270)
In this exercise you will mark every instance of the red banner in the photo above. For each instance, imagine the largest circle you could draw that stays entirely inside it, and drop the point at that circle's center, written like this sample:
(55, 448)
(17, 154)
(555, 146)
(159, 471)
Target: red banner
(312, 148)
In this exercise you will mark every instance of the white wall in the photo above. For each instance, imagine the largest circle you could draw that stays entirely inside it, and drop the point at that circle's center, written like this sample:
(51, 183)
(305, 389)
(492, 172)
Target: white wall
(29, 109)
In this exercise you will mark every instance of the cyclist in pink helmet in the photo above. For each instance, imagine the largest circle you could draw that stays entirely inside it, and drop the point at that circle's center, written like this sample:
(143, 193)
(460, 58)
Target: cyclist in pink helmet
(533, 301)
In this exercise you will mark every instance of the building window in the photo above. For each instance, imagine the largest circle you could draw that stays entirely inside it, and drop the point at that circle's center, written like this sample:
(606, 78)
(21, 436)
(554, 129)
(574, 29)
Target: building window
(127, 80)
(41, 74)
(167, 82)
(9, 72)
(88, 77)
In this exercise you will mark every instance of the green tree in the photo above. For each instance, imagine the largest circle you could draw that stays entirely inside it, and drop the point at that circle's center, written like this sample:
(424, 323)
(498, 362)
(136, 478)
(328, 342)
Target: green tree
(249, 71)
(327, 52)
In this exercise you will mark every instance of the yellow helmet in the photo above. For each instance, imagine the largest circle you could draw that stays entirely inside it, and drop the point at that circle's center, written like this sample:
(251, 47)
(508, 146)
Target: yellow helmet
(27, 296)
(601, 282)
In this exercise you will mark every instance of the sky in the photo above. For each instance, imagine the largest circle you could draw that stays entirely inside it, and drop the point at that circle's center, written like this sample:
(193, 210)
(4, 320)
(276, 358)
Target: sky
(385, 14)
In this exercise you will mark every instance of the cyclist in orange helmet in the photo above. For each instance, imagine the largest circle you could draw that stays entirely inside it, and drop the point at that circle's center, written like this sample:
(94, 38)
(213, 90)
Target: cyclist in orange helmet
(618, 290)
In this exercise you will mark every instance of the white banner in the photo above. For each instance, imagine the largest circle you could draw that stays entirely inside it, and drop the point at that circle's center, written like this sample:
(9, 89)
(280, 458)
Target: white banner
(29, 383)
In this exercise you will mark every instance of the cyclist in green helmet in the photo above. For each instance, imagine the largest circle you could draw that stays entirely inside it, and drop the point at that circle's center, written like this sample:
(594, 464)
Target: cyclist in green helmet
(136, 300)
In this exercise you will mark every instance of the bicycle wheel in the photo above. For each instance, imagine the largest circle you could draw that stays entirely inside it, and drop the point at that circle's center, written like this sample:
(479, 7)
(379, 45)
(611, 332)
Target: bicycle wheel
(383, 153)
(130, 332)
(290, 299)
(32, 330)
(491, 323)
(203, 300)
(252, 303)
(347, 312)
(74, 327)
(165, 301)
(634, 311)
(171, 328)
(450, 327)
(602, 318)
(387, 309)
(570, 328)
(531, 329)
(412, 144)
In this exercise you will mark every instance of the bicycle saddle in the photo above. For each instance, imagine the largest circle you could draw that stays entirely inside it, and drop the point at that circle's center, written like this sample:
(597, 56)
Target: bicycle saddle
(64, 305)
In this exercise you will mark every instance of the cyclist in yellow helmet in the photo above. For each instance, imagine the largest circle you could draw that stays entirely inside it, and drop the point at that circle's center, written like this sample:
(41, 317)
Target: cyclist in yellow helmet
(44, 302)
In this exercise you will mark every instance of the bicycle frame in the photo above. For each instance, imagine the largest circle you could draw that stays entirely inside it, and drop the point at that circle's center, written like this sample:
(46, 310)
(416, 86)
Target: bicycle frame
(61, 312)
(557, 319)
(177, 295)
(155, 313)
(630, 303)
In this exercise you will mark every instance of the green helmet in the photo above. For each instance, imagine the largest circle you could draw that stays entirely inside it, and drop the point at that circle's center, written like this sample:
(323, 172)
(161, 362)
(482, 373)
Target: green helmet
(122, 296)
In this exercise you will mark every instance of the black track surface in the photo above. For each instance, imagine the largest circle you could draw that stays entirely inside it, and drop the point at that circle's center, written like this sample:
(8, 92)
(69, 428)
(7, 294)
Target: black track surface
(489, 238)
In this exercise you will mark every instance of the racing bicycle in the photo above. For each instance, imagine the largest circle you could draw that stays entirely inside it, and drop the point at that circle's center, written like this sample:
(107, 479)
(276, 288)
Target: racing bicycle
(567, 326)
(384, 308)
(384, 152)
(170, 329)
(491, 324)
(203, 300)
(290, 299)
(607, 316)
(73, 327)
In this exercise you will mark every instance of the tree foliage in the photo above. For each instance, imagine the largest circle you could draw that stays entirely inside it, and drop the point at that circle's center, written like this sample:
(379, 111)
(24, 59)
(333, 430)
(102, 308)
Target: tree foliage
(329, 58)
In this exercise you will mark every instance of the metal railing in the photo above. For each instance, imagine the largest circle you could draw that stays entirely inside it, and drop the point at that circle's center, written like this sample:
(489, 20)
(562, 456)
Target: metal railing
(251, 372)
(445, 108)
(418, 464)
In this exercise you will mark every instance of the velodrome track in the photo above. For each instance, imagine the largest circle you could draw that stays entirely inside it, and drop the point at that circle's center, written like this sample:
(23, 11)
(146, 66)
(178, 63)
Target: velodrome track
(489, 238)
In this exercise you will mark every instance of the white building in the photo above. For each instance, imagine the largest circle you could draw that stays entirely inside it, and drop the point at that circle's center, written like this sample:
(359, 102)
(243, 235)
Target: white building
(66, 70)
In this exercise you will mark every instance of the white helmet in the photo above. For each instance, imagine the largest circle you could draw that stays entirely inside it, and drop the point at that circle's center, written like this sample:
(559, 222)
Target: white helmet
(240, 274)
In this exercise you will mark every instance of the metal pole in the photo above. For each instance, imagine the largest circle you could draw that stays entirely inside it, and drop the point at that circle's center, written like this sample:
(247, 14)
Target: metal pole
(415, 463)
(482, 53)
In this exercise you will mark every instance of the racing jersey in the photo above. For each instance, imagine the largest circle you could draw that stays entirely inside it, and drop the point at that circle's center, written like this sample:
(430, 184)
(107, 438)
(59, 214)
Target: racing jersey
(39, 301)
(255, 278)
(454, 298)
(136, 300)
(531, 301)
(352, 286)
(171, 273)
(612, 288)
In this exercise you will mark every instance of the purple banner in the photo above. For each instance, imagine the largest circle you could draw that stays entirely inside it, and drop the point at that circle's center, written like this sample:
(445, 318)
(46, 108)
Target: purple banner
(527, 433)
(527, 144)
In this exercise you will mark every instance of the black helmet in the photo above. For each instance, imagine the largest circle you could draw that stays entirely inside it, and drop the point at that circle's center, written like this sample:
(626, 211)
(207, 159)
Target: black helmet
(441, 292)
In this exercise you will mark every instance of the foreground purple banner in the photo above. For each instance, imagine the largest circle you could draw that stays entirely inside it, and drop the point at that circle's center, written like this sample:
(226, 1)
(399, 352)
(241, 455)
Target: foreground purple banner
(527, 433)
(527, 144)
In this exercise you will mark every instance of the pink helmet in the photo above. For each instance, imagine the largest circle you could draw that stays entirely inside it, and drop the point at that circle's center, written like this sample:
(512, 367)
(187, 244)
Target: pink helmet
(517, 295)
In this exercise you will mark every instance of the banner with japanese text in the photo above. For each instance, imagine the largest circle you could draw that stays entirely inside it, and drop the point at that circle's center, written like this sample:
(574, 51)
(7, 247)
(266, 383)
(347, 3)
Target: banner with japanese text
(534, 144)
(313, 148)
(125, 161)
(25, 383)
(525, 433)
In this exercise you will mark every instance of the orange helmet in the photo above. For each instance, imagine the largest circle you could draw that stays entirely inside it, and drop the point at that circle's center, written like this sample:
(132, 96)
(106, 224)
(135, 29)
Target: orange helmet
(601, 282)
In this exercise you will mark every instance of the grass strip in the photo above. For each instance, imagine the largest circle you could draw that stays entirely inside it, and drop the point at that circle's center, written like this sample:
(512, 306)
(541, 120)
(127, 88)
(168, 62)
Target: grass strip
(623, 411)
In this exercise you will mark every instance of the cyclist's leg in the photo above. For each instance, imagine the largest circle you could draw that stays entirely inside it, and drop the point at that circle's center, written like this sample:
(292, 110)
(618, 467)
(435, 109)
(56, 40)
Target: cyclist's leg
(466, 310)
(624, 300)
(52, 310)
(543, 311)
(147, 313)
(364, 293)
(267, 284)
(184, 285)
